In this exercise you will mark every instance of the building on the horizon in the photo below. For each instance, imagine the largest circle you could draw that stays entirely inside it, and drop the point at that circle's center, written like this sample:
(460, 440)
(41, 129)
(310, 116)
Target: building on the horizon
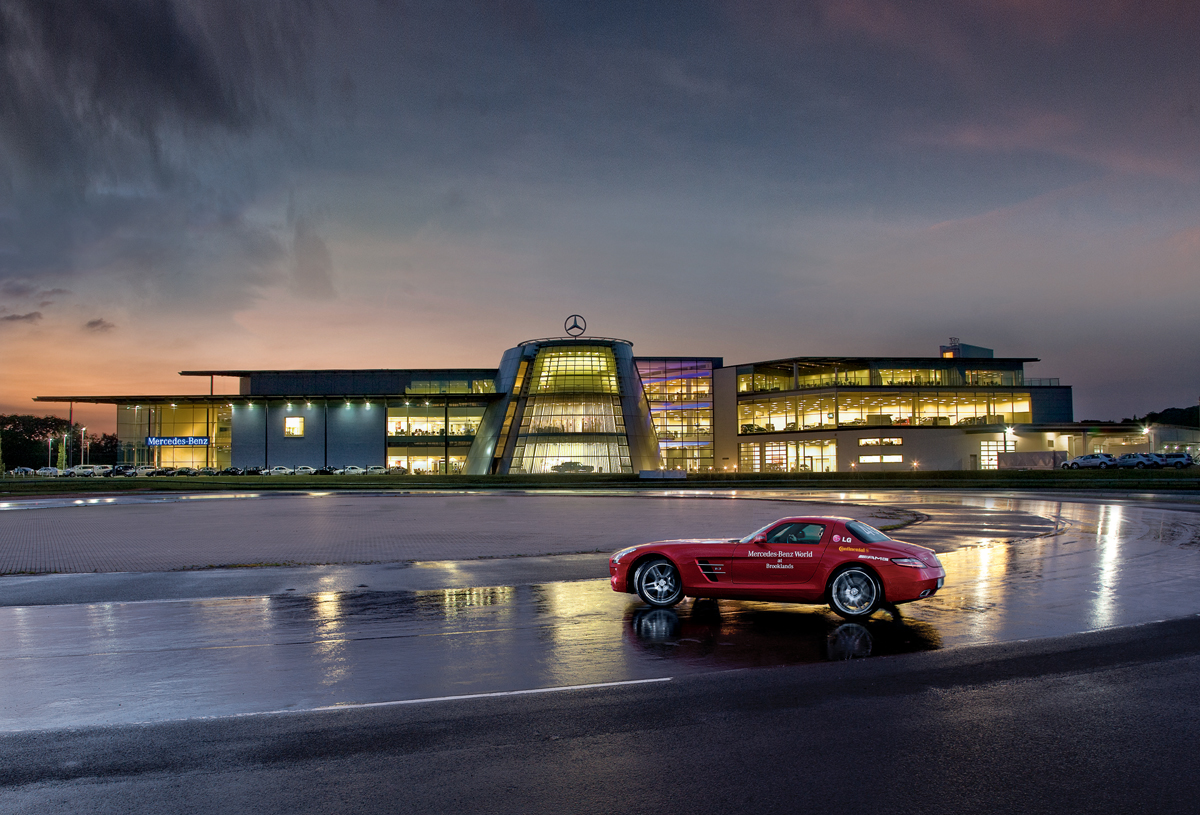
(589, 404)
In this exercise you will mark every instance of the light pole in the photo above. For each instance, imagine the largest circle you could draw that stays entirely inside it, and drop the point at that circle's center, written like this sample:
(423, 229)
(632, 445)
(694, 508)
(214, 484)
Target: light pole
(83, 445)
(49, 451)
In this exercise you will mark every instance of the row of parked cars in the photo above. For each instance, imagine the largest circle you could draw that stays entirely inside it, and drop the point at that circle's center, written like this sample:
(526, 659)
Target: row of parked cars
(1129, 461)
(131, 471)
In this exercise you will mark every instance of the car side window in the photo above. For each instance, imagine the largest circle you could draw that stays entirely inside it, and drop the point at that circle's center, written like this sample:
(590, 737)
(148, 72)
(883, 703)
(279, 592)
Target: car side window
(796, 533)
(781, 533)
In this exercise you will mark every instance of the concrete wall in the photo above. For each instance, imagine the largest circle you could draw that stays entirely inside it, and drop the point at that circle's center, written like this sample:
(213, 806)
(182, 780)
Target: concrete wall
(357, 434)
(1051, 405)
(725, 420)
(248, 435)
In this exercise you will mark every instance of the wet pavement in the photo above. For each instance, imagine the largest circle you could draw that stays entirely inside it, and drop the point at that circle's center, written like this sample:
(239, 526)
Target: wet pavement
(1018, 567)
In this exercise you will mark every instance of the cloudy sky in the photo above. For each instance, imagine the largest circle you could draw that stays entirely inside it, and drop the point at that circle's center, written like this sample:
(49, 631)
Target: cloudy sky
(281, 183)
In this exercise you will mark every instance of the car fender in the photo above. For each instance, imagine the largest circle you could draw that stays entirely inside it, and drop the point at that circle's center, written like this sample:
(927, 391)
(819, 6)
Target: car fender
(842, 565)
(641, 559)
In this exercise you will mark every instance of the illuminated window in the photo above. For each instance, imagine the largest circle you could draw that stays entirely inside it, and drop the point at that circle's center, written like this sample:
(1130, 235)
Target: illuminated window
(880, 459)
(868, 459)
(885, 442)
(293, 426)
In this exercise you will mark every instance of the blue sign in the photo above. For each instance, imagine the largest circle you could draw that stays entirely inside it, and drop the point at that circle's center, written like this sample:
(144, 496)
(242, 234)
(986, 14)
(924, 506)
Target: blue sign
(177, 441)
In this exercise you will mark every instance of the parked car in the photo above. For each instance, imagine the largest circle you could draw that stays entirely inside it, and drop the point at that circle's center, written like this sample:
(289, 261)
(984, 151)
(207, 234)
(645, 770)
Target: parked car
(49, 472)
(147, 469)
(572, 467)
(304, 469)
(1100, 461)
(254, 471)
(326, 470)
(80, 471)
(352, 470)
(185, 471)
(1140, 461)
(119, 470)
(21, 472)
(1178, 460)
(209, 471)
(279, 469)
(397, 471)
(232, 471)
(377, 469)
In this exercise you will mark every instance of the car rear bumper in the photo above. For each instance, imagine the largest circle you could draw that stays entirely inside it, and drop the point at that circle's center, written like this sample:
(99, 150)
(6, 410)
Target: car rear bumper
(914, 584)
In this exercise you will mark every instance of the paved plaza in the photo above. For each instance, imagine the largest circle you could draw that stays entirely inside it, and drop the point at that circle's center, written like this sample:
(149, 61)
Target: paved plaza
(191, 532)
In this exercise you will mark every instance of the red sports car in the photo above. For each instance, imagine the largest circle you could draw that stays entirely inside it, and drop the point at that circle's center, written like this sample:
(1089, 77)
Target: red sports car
(846, 563)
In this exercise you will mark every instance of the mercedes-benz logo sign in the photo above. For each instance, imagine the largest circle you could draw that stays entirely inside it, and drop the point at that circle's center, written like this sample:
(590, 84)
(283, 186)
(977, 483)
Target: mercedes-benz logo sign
(575, 325)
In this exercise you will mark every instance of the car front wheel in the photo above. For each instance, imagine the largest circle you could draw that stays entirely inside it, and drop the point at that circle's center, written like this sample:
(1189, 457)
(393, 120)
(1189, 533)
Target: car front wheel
(1075, 466)
(658, 583)
(855, 593)
(1103, 466)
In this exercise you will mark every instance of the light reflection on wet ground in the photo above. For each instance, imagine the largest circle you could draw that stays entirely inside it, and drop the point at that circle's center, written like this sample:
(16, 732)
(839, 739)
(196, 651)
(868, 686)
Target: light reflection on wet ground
(1010, 576)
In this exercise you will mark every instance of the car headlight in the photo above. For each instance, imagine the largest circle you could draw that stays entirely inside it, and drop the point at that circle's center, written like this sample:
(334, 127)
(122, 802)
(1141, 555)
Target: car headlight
(616, 556)
(908, 561)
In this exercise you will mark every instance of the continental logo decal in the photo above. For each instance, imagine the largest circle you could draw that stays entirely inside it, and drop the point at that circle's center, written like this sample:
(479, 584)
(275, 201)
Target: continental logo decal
(853, 549)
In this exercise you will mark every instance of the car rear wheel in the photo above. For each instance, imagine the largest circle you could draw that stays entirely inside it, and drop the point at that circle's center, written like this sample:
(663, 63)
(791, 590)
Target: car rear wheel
(1075, 466)
(855, 593)
(1103, 465)
(658, 584)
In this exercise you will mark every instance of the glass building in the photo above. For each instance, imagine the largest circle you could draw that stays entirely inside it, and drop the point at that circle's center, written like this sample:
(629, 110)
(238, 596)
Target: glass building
(588, 405)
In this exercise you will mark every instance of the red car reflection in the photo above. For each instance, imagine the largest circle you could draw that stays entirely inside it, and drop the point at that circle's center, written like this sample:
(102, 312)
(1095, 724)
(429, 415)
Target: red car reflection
(848, 564)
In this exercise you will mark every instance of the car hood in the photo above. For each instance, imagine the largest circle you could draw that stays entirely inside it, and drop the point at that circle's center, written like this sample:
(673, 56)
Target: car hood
(895, 548)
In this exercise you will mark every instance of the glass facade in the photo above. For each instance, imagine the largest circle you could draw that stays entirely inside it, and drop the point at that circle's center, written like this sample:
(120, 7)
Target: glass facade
(572, 421)
(681, 404)
(882, 408)
(136, 423)
(428, 435)
(807, 456)
(807, 374)
(989, 450)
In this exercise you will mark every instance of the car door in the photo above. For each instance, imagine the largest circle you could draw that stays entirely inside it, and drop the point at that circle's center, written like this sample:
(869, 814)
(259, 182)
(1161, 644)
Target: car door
(786, 555)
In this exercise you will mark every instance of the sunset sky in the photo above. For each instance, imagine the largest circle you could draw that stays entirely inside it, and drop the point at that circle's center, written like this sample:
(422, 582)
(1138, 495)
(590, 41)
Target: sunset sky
(374, 184)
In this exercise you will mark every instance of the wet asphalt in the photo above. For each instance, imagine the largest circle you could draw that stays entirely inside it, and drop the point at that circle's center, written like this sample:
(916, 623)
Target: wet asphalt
(111, 664)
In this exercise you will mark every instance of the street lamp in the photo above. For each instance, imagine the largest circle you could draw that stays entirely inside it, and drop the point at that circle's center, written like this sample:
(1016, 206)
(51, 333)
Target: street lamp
(83, 445)
(49, 451)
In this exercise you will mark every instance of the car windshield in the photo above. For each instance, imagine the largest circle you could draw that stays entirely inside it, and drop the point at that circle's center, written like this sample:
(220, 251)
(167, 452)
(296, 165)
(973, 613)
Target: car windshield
(751, 536)
(865, 532)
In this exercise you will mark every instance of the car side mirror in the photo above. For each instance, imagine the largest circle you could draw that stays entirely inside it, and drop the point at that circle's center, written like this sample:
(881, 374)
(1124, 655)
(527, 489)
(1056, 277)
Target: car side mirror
(759, 539)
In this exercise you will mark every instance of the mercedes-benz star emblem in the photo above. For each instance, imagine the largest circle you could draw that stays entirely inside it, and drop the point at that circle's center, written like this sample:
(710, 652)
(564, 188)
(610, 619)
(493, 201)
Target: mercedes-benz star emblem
(575, 325)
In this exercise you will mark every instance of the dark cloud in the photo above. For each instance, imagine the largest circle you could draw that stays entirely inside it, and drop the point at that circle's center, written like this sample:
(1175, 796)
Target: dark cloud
(31, 317)
(98, 325)
(312, 263)
(17, 288)
(129, 130)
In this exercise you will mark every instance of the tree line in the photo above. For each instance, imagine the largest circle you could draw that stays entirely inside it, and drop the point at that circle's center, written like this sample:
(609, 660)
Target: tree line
(38, 441)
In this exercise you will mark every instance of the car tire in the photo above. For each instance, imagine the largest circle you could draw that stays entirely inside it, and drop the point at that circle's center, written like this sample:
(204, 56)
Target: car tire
(1178, 465)
(1075, 466)
(658, 583)
(1140, 466)
(855, 593)
(1103, 465)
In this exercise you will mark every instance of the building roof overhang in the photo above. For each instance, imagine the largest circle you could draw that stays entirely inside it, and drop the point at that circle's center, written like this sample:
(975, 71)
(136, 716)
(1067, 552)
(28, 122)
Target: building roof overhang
(234, 398)
(914, 362)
